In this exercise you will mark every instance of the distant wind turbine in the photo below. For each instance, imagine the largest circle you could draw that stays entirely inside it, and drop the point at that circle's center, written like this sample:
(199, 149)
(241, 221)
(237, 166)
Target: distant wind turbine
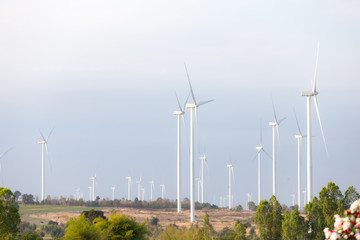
(259, 150)
(113, 192)
(231, 172)
(139, 188)
(275, 126)
(193, 107)
(90, 192)
(93, 186)
(202, 159)
(162, 190)
(143, 194)
(299, 137)
(43, 143)
(308, 95)
(198, 180)
(129, 186)
(179, 113)
(151, 189)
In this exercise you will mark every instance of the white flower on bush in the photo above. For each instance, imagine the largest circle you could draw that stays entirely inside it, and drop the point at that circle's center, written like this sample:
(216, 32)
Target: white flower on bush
(338, 221)
(357, 235)
(346, 224)
(334, 236)
(354, 206)
(327, 233)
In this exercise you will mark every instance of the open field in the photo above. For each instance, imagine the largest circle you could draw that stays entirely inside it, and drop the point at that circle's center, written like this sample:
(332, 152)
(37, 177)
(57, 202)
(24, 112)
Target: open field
(219, 218)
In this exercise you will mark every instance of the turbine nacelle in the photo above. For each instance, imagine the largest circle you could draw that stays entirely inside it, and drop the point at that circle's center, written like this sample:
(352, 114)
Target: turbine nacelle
(229, 165)
(309, 93)
(298, 136)
(191, 105)
(273, 123)
(178, 113)
(259, 148)
(42, 142)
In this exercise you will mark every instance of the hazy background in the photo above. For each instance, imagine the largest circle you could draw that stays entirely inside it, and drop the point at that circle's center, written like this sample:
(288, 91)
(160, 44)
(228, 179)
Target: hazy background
(103, 73)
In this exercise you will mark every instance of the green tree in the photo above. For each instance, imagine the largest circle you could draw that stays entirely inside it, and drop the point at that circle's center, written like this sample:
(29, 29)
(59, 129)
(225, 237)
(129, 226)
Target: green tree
(121, 227)
(9, 214)
(293, 226)
(208, 229)
(27, 199)
(81, 229)
(240, 231)
(251, 206)
(92, 214)
(268, 219)
(351, 195)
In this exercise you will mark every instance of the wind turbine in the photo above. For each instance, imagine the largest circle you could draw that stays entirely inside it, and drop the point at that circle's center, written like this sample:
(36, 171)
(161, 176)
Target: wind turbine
(193, 107)
(139, 186)
(143, 194)
(151, 189)
(113, 192)
(90, 191)
(93, 186)
(43, 143)
(231, 172)
(129, 186)
(260, 148)
(299, 137)
(202, 159)
(179, 113)
(275, 126)
(308, 95)
(162, 190)
(304, 192)
(198, 180)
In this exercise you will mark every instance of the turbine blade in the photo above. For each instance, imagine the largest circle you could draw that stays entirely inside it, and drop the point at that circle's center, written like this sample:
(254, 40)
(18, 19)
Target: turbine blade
(297, 122)
(42, 136)
(266, 153)
(260, 132)
(48, 156)
(187, 100)
(192, 92)
(50, 133)
(197, 130)
(256, 156)
(2, 155)
(178, 103)
(274, 111)
(281, 120)
(321, 128)
(204, 102)
(316, 66)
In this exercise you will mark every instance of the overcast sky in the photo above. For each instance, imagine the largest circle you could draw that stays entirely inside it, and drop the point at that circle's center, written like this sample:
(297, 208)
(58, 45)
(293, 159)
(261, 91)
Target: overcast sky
(104, 73)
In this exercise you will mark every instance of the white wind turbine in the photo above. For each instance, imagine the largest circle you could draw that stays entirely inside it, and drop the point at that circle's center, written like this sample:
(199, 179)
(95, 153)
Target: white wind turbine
(129, 186)
(193, 107)
(142, 194)
(139, 188)
(179, 113)
(275, 127)
(202, 159)
(162, 190)
(231, 172)
(260, 149)
(308, 95)
(151, 189)
(93, 186)
(299, 137)
(90, 192)
(43, 143)
(198, 180)
(113, 192)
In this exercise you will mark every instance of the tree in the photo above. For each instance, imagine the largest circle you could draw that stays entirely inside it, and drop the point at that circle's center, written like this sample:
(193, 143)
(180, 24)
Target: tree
(251, 206)
(81, 229)
(240, 231)
(351, 195)
(268, 219)
(208, 229)
(27, 199)
(121, 227)
(17, 195)
(92, 214)
(293, 226)
(9, 214)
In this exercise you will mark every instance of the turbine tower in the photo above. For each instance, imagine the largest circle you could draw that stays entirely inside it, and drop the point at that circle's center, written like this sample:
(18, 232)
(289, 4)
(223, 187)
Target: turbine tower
(198, 180)
(142, 194)
(179, 113)
(139, 188)
(151, 189)
(193, 107)
(90, 192)
(308, 95)
(113, 192)
(93, 186)
(299, 137)
(231, 172)
(43, 143)
(162, 190)
(202, 159)
(129, 186)
(260, 149)
(275, 126)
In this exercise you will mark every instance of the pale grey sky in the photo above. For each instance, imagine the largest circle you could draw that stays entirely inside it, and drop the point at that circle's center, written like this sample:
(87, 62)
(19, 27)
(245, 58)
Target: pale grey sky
(104, 74)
